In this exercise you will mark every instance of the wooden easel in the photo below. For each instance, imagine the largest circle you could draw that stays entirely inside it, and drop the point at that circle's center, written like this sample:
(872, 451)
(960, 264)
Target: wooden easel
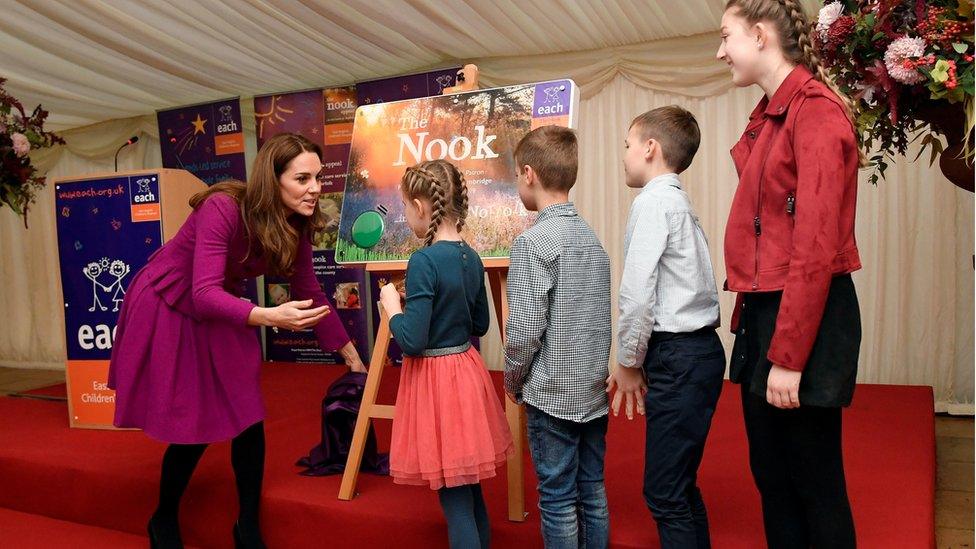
(497, 270)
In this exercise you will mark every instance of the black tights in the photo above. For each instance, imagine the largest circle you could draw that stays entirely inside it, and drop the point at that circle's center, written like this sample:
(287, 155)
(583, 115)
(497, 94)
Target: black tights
(179, 461)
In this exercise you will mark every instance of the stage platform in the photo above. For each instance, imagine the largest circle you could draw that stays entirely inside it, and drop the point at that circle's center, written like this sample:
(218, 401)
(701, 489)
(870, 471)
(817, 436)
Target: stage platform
(69, 487)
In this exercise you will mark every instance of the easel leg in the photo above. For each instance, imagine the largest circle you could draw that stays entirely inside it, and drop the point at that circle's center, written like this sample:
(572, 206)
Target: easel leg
(368, 409)
(515, 414)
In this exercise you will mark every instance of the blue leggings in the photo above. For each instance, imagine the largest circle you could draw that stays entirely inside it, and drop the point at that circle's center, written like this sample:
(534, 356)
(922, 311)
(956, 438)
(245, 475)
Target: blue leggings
(467, 517)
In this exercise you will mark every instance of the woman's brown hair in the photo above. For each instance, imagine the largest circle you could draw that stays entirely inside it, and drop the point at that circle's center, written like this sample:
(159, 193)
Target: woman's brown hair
(272, 229)
(788, 18)
(442, 183)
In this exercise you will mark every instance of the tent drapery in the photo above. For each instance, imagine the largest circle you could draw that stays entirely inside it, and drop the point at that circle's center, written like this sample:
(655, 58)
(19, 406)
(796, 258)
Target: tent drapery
(914, 230)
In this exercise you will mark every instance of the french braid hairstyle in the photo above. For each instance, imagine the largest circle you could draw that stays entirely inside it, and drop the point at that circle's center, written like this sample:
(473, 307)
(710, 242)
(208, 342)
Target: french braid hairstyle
(442, 183)
(794, 29)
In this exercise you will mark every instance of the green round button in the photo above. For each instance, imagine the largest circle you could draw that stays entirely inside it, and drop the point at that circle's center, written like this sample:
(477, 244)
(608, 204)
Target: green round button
(367, 229)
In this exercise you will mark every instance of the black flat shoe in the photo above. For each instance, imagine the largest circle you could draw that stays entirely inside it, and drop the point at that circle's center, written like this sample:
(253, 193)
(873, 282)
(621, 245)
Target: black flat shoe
(254, 542)
(161, 537)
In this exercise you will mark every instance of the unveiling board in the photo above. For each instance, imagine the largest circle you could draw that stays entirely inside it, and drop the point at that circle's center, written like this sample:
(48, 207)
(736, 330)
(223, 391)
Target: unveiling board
(477, 131)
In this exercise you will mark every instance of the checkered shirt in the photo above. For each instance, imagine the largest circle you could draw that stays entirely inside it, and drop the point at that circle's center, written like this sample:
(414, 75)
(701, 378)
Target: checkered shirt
(557, 340)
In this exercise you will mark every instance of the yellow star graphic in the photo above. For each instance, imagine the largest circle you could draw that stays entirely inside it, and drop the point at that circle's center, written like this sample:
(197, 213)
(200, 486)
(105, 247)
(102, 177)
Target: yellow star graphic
(198, 125)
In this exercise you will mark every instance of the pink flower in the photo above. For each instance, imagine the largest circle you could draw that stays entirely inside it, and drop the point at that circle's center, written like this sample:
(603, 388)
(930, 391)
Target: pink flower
(828, 14)
(899, 51)
(21, 144)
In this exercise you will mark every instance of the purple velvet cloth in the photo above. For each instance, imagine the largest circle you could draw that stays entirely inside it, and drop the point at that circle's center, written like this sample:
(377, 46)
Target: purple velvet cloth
(339, 410)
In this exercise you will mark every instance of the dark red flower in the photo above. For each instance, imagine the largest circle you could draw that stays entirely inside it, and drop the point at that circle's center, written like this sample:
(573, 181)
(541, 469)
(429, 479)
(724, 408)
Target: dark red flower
(839, 31)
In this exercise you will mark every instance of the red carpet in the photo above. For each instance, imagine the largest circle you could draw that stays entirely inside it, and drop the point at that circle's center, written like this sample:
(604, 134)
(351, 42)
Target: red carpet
(58, 390)
(108, 480)
(27, 531)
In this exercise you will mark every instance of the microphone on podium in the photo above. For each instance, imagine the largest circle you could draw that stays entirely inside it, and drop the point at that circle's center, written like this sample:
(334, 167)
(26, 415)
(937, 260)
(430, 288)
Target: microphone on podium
(131, 140)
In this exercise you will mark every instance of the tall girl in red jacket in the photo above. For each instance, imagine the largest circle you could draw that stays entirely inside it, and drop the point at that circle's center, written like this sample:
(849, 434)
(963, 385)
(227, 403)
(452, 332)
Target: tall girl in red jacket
(789, 250)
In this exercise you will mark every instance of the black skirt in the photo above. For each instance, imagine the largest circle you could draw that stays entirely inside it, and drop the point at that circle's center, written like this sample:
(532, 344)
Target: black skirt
(829, 376)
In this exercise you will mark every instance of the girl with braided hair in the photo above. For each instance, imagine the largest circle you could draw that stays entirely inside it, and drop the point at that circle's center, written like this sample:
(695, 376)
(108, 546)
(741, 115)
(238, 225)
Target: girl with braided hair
(449, 430)
(790, 251)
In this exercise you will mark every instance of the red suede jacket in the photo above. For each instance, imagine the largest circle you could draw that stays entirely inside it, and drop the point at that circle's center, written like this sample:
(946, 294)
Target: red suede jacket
(791, 227)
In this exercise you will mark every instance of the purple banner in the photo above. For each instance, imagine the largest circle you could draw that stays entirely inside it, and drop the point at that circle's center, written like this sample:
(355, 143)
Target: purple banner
(411, 86)
(206, 140)
(340, 112)
(394, 357)
(299, 112)
(346, 289)
(325, 118)
(107, 229)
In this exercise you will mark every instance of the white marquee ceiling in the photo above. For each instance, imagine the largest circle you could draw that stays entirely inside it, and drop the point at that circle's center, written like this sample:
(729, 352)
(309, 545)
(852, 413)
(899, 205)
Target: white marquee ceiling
(92, 60)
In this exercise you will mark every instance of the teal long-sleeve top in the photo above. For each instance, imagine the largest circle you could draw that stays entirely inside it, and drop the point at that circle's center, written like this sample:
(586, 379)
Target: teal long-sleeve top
(447, 302)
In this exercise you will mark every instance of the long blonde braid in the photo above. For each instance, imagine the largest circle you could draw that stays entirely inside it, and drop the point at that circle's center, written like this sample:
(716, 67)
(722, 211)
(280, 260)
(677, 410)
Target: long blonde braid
(794, 32)
(461, 191)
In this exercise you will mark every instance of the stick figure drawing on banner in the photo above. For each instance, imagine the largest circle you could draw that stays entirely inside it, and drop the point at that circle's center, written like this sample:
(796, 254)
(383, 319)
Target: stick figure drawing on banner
(444, 81)
(92, 271)
(225, 112)
(552, 94)
(119, 270)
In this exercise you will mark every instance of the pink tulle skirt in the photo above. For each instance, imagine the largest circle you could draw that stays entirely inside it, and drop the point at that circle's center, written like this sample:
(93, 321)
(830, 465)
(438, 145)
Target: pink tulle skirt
(449, 428)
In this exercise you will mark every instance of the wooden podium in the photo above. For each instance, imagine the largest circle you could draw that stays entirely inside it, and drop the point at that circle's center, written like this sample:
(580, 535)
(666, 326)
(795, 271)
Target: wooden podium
(108, 225)
(497, 271)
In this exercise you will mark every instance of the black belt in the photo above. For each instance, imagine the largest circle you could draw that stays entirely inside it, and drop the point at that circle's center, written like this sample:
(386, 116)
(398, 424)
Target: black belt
(668, 336)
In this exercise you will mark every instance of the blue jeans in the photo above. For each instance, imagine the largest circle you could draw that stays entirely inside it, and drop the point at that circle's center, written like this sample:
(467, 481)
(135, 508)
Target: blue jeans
(568, 459)
(684, 381)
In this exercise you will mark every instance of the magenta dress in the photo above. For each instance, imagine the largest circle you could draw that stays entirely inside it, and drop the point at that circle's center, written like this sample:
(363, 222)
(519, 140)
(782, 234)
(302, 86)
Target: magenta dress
(185, 364)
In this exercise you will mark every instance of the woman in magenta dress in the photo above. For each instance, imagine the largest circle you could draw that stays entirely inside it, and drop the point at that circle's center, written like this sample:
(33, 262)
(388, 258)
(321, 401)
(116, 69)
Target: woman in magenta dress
(186, 360)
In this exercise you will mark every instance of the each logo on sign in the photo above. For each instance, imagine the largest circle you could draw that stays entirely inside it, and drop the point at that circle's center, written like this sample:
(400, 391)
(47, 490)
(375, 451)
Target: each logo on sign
(444, 81)
(550, 102)
(225, 114)
(552, 94)
(144, 191)
(227, 123)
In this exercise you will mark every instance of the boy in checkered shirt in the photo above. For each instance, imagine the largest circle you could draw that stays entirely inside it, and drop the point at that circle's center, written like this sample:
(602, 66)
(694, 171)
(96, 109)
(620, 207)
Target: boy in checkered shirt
(557, 348)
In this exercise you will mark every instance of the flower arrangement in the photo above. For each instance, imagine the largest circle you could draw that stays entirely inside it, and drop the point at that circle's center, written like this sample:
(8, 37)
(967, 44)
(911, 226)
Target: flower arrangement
(908, 66)
(19, 134)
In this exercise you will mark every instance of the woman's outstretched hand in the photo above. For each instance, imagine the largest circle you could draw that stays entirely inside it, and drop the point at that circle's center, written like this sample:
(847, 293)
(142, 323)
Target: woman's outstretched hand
(294, 315)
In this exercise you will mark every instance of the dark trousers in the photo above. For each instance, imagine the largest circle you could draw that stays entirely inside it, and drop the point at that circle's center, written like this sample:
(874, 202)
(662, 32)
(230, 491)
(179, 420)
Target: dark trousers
(684, 381)
(798, 466)
(795, 455)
